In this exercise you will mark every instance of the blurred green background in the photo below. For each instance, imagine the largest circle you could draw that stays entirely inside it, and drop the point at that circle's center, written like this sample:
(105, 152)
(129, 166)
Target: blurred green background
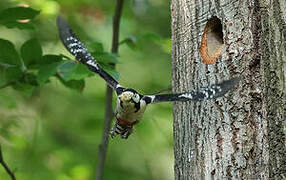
(54, 132)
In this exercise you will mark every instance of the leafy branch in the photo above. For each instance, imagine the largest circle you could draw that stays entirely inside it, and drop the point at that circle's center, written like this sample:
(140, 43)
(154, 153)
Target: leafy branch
(7, 169)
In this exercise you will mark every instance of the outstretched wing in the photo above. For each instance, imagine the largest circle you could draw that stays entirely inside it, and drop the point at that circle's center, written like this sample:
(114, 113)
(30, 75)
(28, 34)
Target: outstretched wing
(209, 92)
(77, 48)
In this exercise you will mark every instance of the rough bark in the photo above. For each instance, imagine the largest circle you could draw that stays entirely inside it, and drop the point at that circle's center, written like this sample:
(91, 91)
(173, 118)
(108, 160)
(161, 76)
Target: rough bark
(242, 135)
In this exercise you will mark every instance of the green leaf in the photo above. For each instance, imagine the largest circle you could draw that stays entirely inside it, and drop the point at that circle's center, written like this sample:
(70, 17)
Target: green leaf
(8, 53)
(73, 71)
(50, 58)
(11, 17)
(111, 71)
(46, 60)
(46, 71)
(96, 47)
(74, 84)
(130, 42)
(18, 13)
(9, 74)
(106, 58)
(20, 25)
(31, 52)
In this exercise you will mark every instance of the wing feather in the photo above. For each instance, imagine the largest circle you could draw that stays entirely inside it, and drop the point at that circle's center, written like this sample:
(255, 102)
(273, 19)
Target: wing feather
(77, 48)
(209, 92)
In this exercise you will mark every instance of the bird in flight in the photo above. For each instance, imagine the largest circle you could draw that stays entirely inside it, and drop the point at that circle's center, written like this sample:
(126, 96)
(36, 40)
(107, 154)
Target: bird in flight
(131, 104)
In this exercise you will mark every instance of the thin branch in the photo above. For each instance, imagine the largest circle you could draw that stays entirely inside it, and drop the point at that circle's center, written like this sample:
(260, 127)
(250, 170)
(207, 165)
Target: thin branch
(102, 149)
(116, 24)
(109, 93)
(3, 163)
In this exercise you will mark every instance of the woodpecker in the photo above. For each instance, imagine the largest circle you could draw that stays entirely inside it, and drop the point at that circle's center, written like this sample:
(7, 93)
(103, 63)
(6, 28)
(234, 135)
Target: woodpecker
(131, 105)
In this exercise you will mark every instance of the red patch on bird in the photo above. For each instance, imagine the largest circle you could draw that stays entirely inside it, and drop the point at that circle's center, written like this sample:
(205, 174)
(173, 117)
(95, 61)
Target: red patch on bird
(126, 123)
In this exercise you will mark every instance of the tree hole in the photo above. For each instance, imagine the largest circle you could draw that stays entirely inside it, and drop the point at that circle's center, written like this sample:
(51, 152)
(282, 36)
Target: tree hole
(212, 41)
(213, 172)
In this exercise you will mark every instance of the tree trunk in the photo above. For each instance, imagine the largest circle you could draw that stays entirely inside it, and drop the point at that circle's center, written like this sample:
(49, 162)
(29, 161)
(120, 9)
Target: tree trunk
(242, 135)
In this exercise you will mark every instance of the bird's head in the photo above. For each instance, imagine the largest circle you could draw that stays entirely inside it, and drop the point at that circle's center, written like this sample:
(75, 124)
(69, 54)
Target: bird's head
(129, 96)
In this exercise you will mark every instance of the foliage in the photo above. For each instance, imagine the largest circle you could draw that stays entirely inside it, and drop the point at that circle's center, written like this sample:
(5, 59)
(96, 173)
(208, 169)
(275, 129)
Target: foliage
(51, 132)
(32, 68)
(18, 17)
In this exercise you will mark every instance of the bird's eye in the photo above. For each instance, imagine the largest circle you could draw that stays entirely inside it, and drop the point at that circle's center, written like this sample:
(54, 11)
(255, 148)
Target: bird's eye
(136, 97)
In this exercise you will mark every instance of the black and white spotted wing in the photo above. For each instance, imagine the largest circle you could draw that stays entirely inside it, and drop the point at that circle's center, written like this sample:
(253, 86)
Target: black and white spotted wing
(77, 48)
(209, 92)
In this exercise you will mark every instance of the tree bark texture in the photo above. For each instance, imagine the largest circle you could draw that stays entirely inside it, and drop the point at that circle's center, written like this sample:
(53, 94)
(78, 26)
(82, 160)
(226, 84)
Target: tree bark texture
(242, 135)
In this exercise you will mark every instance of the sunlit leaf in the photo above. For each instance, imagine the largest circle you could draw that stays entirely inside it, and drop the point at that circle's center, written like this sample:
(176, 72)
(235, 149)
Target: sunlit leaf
(31, 52)
(8, 53)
